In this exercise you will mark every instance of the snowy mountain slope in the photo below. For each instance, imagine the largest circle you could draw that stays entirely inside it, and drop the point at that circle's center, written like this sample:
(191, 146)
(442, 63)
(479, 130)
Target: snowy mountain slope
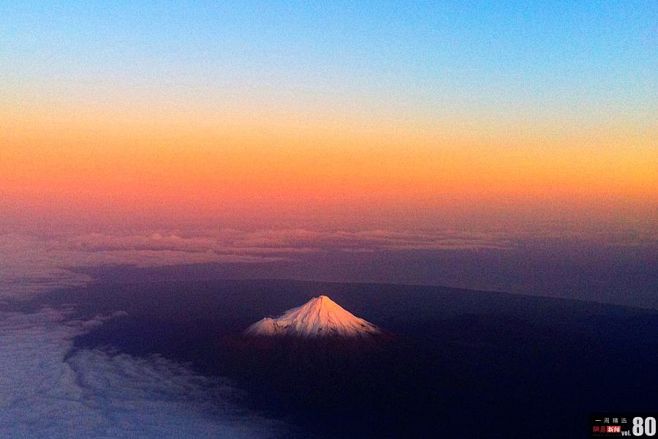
(319, 317)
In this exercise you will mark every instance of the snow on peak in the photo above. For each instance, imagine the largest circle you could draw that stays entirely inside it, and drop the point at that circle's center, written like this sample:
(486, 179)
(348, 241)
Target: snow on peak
(319, 317)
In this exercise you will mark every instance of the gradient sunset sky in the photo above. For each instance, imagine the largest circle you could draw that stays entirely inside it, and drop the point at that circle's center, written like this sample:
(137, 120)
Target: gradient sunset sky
(330, 114)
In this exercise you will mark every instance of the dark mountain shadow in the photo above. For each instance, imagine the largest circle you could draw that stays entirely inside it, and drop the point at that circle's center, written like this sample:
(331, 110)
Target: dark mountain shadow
(460, 362)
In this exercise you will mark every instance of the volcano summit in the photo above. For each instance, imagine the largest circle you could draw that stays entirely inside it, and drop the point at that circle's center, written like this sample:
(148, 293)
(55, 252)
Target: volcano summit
(319, 317)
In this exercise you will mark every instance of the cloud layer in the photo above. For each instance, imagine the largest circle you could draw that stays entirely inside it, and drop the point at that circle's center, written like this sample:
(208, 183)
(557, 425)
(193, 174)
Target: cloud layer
(33, 264)
(100, 394)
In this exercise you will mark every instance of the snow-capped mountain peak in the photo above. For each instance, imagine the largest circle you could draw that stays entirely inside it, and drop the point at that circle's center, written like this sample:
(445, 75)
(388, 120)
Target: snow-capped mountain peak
(319, 317)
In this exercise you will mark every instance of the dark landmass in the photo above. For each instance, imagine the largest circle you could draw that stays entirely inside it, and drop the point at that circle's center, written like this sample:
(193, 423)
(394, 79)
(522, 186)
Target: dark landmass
(459, 363)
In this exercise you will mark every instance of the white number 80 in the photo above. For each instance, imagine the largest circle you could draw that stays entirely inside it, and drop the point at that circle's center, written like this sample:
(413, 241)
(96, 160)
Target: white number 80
(644, 427)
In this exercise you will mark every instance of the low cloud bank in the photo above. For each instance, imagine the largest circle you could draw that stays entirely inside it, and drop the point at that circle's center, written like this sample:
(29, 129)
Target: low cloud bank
(35, 263)
(99, 394)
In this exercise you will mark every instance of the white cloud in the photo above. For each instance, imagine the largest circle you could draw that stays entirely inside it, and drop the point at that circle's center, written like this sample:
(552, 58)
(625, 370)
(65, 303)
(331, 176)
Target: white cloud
(30, 264)
(103, 395)
(33, 264)
(27, 265)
